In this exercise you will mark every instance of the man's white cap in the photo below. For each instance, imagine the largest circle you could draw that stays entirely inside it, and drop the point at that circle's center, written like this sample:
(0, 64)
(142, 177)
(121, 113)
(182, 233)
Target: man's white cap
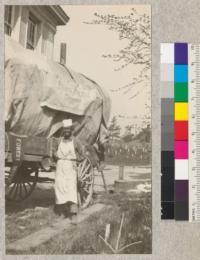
(67, 122)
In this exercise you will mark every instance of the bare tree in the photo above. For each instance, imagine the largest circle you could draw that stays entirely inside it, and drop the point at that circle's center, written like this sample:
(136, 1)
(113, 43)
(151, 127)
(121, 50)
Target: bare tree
(135, 28)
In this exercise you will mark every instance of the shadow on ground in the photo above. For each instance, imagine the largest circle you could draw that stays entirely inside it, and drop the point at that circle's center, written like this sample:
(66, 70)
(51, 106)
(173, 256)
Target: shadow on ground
(39, 198)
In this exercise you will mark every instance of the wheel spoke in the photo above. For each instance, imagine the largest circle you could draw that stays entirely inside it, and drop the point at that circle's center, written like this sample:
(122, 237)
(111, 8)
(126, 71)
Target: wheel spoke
(12, 189)
(20, 191)
(85, 177)
(24, 185)
(83, 165)
(86, 169)
(16, 190)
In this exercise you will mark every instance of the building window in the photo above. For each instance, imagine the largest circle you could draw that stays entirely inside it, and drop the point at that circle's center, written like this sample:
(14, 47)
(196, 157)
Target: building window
(8, 19)
(31, 33)
(48, 41)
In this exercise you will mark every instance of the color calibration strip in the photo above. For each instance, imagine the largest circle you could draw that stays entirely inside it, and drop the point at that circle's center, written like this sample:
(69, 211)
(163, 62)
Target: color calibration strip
(194, 132)
(180, 131)
(167, 131)
(174, 131)
(181, 206)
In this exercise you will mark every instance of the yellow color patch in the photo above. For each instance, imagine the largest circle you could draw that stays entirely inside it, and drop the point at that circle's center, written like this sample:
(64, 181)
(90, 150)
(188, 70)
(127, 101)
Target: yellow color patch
(181, 111)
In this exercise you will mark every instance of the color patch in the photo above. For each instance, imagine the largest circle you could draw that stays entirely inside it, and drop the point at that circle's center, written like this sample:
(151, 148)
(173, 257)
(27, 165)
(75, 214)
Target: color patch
(167, 210)
(181, 130)
(181, 149)
(167, 53)
(167, 160)
(167, 90)
(181, 92)
(167, 107)
(181, 190)
(181, 210)
(167, 143)
(181, 53)
(181, 111)
(167, 72)
(181, 169)
(181, 73)
(167, 194)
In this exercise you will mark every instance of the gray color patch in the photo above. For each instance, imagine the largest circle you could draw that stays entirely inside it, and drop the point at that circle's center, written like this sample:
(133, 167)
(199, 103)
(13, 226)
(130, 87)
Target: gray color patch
(167, 72)
(167, 89)
(167, 132)
(167, 123)
(167, 141)
(167, 106)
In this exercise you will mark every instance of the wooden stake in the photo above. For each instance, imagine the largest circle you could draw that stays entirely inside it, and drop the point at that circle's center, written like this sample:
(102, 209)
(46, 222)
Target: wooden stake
(120, 231)
(107, 232)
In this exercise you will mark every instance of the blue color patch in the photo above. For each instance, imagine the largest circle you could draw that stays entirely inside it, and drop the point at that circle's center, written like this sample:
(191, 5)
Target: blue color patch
(181, 73)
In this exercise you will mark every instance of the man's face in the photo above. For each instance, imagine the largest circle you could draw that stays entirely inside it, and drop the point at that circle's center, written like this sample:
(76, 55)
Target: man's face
(67, 132)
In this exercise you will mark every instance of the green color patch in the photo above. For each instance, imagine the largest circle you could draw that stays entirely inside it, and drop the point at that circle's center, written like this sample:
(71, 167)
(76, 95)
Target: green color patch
(181, 92)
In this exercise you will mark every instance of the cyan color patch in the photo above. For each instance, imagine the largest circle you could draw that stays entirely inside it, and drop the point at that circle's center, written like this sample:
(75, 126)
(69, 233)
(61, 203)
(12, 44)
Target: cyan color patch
(181, 73)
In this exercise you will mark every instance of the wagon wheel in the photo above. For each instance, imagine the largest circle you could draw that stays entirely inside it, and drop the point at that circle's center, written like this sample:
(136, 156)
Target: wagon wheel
(85, 183)
(21, 182)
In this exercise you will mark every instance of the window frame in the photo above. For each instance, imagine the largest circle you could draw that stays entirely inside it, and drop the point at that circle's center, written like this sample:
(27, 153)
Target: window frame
(8, 27)
(31, 43)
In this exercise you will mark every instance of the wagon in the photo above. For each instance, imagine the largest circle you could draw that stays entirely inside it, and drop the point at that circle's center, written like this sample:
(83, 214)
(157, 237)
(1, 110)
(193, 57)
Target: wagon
(32, 155)
(39, 94)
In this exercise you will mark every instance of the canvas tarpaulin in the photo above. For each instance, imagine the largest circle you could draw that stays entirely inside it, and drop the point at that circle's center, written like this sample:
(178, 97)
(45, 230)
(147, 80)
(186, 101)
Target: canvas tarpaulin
(40, 93)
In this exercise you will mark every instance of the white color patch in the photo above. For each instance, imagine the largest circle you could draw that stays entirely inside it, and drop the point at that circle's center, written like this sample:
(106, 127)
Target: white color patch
(181, 169)
(167, 52)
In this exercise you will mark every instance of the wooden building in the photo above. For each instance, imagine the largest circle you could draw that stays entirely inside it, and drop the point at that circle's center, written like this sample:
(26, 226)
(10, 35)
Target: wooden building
(34, 27)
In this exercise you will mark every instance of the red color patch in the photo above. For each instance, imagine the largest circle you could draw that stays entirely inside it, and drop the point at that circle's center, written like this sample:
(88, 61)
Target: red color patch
(181, 130)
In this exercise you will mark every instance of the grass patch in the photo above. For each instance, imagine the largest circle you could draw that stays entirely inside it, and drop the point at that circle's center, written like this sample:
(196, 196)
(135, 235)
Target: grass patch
(84, 237)
(22, 224)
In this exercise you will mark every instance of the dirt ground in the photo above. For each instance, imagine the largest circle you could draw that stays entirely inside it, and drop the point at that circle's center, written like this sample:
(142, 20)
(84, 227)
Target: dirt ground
(37, 212)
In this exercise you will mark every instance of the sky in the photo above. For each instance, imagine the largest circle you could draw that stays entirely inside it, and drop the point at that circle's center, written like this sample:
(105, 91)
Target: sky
(87, 43)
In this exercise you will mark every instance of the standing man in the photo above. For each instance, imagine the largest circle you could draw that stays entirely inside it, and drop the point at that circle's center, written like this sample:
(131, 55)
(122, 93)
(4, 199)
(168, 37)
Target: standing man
(66, 174)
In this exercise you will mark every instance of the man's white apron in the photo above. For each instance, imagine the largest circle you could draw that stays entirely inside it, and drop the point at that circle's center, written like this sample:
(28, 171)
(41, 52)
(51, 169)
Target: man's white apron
(66, 175)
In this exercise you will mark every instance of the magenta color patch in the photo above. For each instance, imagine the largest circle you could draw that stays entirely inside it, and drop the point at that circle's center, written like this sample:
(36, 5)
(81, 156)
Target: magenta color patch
(181, 149)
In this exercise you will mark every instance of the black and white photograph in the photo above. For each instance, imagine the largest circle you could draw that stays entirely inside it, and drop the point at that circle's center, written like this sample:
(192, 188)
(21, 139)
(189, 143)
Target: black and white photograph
(77, 129)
